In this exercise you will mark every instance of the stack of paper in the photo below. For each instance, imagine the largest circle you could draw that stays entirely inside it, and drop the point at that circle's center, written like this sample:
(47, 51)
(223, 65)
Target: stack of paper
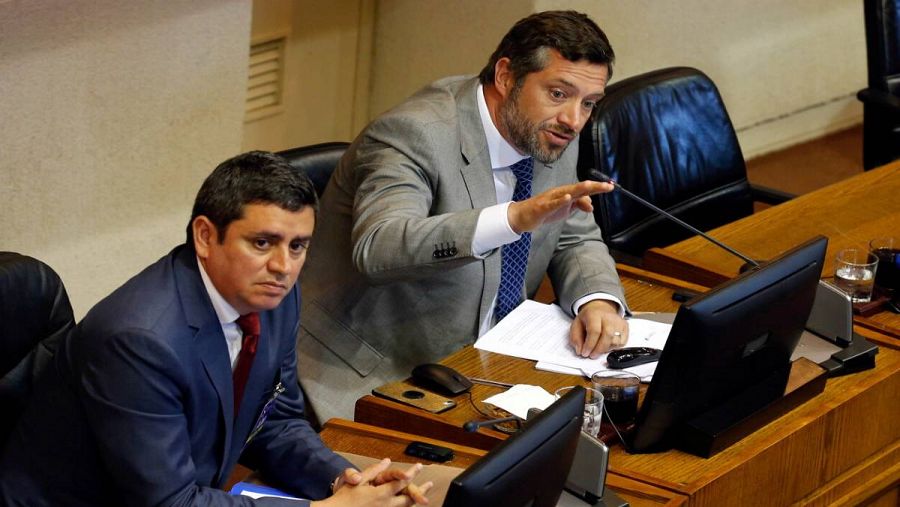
(540, 332)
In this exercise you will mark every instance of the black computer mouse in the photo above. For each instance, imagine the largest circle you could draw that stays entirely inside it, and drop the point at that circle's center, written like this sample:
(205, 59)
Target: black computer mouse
(632, 356)
(441, 379)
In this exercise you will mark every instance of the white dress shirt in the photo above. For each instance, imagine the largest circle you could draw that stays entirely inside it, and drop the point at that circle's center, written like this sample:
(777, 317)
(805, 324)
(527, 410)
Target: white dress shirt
(227, 315)
(493, 230)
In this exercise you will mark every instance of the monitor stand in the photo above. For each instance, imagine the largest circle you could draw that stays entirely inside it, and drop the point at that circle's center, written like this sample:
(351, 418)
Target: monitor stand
(587, 477)
(717, 429)
(832, 319)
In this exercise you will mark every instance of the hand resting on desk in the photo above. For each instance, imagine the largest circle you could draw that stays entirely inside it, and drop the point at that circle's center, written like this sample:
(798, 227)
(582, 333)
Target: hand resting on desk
(377, 486)
(597, 329)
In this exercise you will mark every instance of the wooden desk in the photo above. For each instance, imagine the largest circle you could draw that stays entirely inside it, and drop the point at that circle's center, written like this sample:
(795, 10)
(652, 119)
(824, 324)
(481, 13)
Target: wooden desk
(841, 447)
(366, 440)
(849, 213)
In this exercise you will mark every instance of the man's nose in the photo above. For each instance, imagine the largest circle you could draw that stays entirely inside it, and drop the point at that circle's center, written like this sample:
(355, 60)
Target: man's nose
(572, 116)
(279, 261)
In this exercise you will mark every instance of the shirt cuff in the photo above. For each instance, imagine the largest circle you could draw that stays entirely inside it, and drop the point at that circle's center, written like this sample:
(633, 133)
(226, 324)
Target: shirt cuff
(492, 230)
(595, 296)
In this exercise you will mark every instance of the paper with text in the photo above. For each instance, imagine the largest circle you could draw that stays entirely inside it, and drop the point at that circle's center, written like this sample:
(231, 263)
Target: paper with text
(540, 332)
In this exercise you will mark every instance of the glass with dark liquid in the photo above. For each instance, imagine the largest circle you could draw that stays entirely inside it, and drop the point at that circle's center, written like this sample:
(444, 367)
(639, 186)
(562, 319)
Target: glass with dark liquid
(620, 394)
(887, 278)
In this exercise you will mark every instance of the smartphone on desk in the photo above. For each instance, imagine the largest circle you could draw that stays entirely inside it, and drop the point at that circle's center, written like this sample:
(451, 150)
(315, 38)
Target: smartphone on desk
(408, 394)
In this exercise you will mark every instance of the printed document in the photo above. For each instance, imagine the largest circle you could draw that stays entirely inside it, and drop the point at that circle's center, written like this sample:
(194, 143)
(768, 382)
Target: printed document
(540, 332)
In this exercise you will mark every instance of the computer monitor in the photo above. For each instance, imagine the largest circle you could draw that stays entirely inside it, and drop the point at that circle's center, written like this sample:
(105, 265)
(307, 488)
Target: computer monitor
(529, 468)
(728, 353)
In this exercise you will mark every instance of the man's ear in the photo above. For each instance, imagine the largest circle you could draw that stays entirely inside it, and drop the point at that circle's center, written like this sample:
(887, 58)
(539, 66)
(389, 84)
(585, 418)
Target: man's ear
(504, 80)
(205, 234)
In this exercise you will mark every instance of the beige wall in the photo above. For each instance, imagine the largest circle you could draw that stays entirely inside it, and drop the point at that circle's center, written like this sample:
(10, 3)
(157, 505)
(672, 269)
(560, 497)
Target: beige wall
(326, 75)
(419, 41)
(788, 71)
(113, 112)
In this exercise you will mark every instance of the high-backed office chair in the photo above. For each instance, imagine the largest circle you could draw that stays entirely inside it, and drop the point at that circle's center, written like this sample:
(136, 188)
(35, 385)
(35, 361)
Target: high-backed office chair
(318, 160)
(666, 136)
(881, 100)
(35, 314)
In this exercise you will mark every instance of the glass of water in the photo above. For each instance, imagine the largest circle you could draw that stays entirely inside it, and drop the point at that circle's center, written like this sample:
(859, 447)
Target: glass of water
(593, 408)
(855, 273)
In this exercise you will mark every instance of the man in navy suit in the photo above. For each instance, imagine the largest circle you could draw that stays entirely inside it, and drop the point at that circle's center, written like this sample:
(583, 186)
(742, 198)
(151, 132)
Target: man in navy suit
(139, 405)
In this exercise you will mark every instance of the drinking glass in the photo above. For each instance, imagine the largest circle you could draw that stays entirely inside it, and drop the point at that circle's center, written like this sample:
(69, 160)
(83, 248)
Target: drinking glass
(888, 252)
(620, 394)
(855, 273)
(593, 408)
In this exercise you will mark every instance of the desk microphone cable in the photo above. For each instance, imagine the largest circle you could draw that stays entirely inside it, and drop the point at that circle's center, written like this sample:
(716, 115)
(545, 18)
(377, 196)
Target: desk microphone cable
(616, 429)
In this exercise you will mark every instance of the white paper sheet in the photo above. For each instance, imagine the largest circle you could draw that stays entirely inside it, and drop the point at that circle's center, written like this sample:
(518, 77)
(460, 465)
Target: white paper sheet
(519, 398)
(540, 332)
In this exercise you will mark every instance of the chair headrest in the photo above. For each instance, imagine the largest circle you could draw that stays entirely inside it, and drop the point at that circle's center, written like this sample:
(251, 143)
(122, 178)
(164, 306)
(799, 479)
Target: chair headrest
(33, 306)
(666, 136)
(882, 19)
(317, 160)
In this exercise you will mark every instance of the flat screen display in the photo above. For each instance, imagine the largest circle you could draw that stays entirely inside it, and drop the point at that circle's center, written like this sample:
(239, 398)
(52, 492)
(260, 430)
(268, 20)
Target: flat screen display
(728, 353)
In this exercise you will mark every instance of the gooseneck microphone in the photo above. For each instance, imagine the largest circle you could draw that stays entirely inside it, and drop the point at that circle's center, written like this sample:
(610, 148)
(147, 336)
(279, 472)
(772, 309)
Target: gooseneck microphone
(599, 176)
(472, 426)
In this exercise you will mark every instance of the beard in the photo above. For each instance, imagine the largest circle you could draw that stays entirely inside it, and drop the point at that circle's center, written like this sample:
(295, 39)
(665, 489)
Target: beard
(524, 134)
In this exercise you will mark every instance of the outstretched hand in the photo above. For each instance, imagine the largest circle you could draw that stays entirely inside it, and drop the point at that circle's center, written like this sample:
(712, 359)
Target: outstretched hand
(554, 205)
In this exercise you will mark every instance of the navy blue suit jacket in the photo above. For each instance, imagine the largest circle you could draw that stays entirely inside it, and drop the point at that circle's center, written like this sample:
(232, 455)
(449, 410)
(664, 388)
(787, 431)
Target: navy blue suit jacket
(138, 409)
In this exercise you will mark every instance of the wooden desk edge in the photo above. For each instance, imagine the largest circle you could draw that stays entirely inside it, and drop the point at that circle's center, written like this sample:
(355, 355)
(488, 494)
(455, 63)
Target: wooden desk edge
(659, 260)
(638, 493)
(659, 278)
(396, 436)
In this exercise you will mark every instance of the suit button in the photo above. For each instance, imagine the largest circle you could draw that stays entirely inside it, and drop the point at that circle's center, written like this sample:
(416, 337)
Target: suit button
(453, 251)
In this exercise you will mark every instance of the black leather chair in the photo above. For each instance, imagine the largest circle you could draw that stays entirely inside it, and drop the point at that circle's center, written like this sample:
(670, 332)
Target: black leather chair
(666, 136)
(35, 314)
(318, 160)
(881, 100)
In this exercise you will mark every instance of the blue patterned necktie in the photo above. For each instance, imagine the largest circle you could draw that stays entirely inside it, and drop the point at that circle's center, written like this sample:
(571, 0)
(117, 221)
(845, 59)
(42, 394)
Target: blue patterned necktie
(514, 256)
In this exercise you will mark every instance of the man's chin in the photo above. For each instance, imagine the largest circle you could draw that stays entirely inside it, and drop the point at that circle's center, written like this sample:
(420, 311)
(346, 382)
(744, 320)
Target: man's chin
(549, 154)
(266, 303)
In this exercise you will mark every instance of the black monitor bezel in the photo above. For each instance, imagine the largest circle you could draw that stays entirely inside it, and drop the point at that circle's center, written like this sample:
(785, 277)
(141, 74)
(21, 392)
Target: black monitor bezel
(529, 468)
(732, 343)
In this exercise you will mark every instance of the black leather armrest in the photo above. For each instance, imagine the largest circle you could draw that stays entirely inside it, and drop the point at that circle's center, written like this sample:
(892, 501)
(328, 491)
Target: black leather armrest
(769, 195)
(880, 99)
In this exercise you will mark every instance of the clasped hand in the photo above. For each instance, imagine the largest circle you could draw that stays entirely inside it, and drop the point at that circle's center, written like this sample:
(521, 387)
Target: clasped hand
(377, 486)
(553, 205)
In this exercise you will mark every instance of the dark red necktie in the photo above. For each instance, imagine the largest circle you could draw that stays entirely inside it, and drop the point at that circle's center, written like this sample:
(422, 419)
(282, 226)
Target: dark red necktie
(249, 324)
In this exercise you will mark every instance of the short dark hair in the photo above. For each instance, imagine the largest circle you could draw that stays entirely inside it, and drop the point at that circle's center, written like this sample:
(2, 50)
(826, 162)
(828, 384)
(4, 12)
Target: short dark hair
(255, 177)
(572, 33)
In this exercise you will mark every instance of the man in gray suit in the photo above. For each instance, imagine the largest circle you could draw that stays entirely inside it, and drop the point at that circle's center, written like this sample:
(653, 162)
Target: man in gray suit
(424, 216)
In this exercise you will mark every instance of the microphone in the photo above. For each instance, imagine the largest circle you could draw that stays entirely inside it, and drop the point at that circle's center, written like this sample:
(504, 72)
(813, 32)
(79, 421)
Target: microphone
(750, 263)
(832, 312)
(472, 426)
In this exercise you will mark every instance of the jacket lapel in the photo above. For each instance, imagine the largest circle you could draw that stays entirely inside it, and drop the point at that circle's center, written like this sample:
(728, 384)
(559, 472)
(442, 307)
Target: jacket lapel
(476, 169)
(209, 343)
(479, 178)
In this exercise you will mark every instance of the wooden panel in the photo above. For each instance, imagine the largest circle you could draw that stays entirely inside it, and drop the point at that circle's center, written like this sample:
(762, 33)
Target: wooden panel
(851, 422)
(875, 480)
(372, 441)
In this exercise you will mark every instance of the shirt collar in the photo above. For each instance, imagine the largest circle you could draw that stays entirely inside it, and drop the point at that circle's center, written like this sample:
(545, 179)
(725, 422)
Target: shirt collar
(224, 311)
(502, 153)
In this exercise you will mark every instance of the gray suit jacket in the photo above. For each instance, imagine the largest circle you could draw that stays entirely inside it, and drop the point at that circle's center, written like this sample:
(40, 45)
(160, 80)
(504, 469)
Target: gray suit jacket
(391, 280)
